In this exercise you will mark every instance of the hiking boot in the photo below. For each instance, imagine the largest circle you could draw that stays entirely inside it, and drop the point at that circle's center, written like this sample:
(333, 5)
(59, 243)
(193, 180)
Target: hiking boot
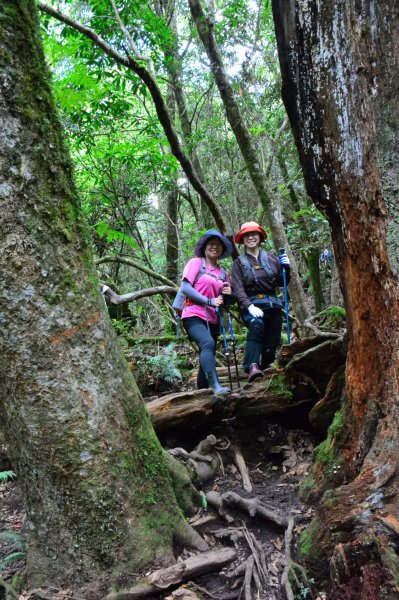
(214, 383)
(254, 372)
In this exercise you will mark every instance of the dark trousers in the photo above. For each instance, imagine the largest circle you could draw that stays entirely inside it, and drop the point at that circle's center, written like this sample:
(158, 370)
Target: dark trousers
(205, 337)
(263, 337)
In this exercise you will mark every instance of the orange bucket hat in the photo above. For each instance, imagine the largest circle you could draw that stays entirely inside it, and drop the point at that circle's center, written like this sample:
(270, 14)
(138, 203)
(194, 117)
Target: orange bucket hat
(251, 226)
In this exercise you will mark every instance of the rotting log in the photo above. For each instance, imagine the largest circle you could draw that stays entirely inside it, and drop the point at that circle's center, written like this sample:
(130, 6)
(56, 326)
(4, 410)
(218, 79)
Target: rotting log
(302, 383)
(208, 562)
(269, 395)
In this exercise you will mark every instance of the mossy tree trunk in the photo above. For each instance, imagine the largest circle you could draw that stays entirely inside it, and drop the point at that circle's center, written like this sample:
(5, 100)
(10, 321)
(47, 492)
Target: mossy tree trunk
(312, 259)
(339, 63)
(93, 475)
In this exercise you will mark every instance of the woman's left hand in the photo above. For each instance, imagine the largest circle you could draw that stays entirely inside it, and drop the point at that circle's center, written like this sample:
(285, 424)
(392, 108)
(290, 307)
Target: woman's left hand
(226, 289)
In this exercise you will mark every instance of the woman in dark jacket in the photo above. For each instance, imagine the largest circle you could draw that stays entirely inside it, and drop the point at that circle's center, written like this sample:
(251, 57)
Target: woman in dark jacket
(255, 277)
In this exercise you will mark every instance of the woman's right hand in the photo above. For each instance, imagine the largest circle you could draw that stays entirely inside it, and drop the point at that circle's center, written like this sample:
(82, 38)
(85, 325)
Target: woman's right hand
(255, 312)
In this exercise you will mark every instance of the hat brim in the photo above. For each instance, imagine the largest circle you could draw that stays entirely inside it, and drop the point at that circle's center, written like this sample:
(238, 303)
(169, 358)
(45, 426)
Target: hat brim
(199, 249)
(242, 232)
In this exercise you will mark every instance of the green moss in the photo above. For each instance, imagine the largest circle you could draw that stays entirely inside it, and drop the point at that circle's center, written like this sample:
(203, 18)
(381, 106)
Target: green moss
(391, 562)
(278, 385)
(325, 452)
(306, 486)
(309, 547)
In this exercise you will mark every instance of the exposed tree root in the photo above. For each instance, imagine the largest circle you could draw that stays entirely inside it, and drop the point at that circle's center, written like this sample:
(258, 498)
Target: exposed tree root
(254, 569)
(289, 574)
(163, 579)
(252, 506)
(187, 536)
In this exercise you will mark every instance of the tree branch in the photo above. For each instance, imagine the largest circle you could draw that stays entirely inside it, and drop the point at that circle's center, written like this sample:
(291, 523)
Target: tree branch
(160, 106)
(116, 299)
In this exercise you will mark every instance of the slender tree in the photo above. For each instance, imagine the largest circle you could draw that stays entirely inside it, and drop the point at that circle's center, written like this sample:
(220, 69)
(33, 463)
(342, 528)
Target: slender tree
(95, 482)
(339, 63)
(250, 154)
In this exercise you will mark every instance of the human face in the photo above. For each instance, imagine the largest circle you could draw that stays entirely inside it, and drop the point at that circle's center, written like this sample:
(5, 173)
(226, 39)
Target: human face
(213, 249)
(251, 240)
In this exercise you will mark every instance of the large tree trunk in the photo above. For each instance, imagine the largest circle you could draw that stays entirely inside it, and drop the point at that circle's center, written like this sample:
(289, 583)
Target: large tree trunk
(339, 63)
(92, 472)
(249, 152)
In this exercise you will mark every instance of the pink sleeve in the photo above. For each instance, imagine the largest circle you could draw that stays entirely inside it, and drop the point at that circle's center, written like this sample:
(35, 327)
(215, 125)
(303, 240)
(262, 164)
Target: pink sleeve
(191, 270)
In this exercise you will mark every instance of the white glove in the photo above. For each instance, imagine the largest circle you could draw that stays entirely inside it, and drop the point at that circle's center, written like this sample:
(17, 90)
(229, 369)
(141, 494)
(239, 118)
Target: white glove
(255, 312)
(284, 260)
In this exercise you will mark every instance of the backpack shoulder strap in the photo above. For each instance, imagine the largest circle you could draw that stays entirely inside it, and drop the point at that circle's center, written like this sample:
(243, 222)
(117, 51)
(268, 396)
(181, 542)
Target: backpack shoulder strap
(264, 261)
(202, 269)
(246, 268)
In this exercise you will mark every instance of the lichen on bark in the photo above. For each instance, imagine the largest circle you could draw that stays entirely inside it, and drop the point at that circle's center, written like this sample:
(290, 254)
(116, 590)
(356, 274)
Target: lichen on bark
(96, 486)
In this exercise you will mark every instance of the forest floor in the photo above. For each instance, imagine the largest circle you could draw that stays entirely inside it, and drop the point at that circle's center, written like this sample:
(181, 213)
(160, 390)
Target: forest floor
(277, 454)
(277, 458)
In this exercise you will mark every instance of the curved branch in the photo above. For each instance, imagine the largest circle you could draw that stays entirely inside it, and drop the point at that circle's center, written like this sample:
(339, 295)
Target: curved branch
(160, 106)
(307, 324)
(116, 299)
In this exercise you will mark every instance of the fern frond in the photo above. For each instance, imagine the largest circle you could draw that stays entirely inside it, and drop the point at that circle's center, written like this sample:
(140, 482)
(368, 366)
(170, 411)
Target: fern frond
(13, 537)
(8, 560)
(6, 475)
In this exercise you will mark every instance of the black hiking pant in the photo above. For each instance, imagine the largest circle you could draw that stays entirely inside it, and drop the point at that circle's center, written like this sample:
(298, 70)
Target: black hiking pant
(263, 337)
(205, 336)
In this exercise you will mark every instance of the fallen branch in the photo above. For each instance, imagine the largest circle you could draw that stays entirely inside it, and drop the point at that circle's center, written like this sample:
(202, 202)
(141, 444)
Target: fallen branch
(242, 467)
(116, 299)
(308, 324)
(284, 578)
(163, 579)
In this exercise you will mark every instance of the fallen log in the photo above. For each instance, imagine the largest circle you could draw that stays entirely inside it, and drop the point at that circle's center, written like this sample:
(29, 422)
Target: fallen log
(301, 383)
(163, 579)
(270, 395)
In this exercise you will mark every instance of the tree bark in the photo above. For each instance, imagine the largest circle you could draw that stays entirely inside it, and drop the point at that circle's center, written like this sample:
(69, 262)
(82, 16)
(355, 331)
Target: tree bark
(172, 241)
(339, 63)
(249, 152)
(93, 475)
(312, 258)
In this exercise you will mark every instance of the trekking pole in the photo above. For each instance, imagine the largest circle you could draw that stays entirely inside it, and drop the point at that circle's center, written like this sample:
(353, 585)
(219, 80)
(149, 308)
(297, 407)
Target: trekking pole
(233, 343)
(227, 301)
(282, 251)
(226, 347)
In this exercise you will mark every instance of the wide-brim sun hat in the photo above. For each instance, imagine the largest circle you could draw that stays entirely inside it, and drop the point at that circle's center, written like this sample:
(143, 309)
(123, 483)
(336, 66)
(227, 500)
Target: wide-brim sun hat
(250, 227)
(199, 249)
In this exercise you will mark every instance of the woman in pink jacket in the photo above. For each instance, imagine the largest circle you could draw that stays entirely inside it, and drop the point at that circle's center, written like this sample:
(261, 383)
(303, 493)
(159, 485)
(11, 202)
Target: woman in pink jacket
(204, 283)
